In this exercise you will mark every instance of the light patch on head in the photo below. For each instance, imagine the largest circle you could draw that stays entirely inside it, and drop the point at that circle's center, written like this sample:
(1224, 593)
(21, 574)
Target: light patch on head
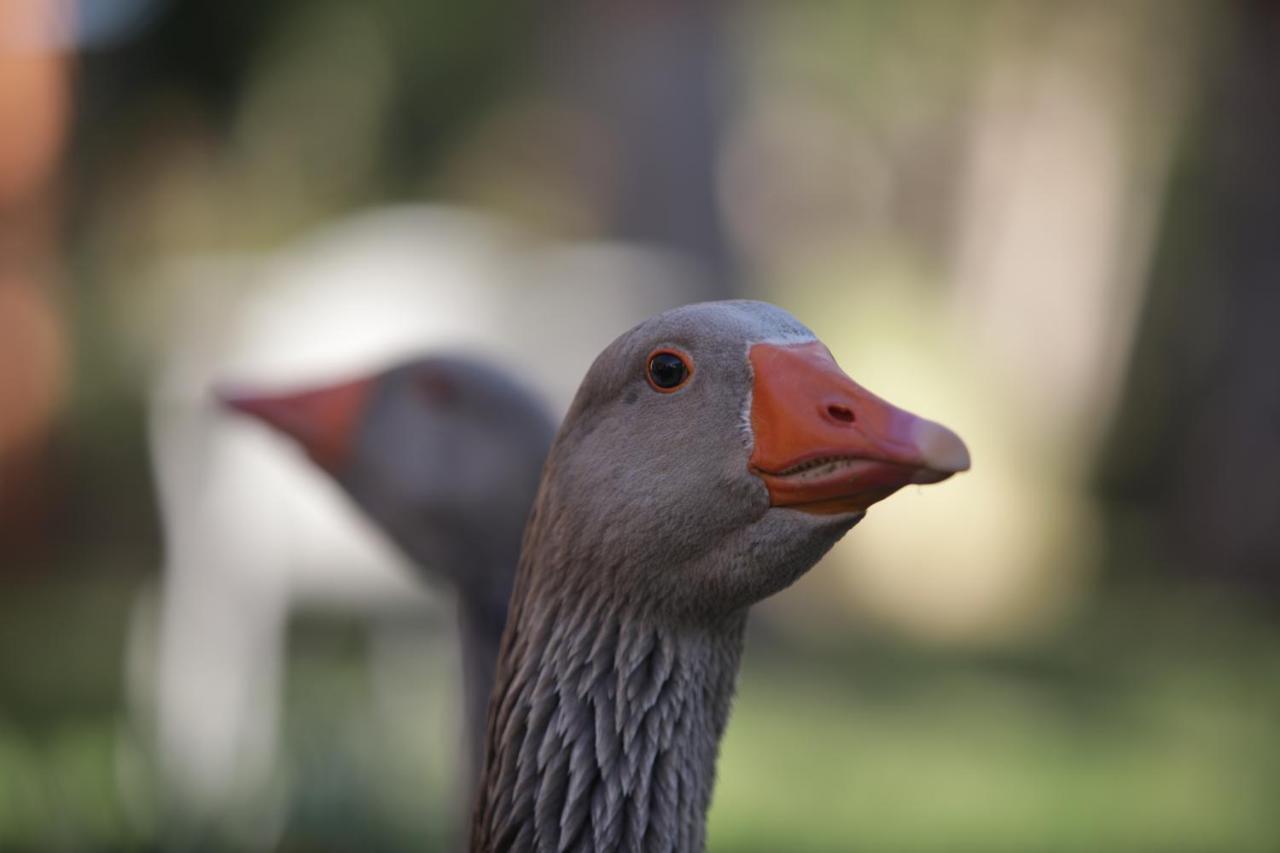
(745, 420)
(779, 328)
(786, 339)
(773, 325)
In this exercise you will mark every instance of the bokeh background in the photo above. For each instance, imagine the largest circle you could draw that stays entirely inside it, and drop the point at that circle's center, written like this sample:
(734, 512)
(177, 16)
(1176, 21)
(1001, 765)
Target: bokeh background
(1054, 226)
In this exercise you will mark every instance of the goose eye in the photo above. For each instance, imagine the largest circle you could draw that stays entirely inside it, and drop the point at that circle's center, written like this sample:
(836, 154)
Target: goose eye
(667, 371)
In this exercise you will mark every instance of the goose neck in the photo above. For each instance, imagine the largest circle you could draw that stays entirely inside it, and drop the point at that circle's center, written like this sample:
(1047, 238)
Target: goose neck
(604, 728)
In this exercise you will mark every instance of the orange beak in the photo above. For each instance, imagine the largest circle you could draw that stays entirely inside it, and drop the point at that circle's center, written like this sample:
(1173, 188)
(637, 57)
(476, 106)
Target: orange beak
(323, 420)
(824, 444)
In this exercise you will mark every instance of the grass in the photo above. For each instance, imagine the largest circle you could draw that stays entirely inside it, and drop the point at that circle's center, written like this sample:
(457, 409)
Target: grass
(1148, 726)
(1152, 736)
(973, 763)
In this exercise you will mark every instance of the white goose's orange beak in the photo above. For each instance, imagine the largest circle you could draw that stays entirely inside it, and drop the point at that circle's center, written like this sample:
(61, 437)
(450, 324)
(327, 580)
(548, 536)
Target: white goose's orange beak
(825, 444)
(323, 420)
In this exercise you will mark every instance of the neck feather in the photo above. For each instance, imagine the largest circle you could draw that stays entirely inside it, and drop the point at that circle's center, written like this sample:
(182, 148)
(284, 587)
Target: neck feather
(604, 728)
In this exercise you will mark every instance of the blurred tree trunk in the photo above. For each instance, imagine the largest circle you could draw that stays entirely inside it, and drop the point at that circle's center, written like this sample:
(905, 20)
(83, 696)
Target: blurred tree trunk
(1192, 470)
(654, 76)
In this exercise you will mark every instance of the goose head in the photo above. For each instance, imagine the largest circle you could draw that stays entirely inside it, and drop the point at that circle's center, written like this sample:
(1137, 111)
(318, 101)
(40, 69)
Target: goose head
(718, 450)
(444, 453)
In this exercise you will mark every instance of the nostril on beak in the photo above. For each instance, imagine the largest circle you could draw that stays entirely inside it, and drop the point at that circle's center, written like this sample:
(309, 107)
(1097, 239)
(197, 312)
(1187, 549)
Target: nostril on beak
(843, 414)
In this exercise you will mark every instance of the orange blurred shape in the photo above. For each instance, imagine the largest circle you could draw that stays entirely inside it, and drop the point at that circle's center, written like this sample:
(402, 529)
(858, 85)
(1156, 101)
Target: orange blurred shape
(33, 96)
(33, 369)
(33, 362)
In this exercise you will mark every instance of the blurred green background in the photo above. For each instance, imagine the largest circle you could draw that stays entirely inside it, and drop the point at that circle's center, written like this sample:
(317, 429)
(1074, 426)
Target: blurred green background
(1053, 225)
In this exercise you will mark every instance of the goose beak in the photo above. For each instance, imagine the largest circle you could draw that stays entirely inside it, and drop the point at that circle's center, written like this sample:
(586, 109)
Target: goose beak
(825, 445)
(323, 420)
